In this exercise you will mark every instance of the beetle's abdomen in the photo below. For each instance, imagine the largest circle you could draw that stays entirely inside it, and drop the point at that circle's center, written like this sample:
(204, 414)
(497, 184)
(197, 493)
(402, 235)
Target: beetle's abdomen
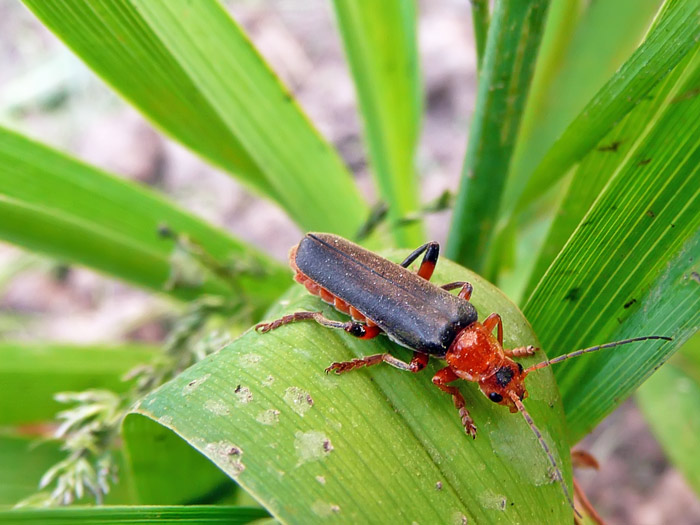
(412, 311)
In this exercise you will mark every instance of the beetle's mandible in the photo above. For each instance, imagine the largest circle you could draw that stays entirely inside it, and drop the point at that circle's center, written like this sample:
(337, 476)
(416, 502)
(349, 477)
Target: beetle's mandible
(385, 297)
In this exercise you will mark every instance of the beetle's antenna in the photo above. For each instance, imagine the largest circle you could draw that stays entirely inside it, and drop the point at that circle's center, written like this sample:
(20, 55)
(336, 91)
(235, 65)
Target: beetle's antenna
(545, 447)
(577, 353)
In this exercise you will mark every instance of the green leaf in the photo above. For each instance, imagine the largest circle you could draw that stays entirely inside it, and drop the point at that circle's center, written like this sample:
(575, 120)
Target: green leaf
(158, 480)
(35, 372)
(669, 402)
(190, 69)
(115, 514)
(580, 52)
(372, 445)
(673, 36)
(514, 37)
(22, 464)
(24, 459)
(56, 205)
(380, 42)
(480, 23)
(626, 270)
(623, 146)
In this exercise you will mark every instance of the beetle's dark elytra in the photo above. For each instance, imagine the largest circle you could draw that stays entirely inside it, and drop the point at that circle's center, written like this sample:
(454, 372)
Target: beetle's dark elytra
(410, 310)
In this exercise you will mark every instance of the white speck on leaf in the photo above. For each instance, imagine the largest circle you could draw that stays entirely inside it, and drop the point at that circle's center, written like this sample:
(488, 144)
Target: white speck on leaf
(268, 381)
(321, 480)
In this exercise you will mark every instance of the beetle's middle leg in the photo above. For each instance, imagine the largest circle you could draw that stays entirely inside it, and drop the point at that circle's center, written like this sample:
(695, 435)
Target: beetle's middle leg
(416, 364)
(355, 328)
(427, 265)
(494, 320)
(440, 380)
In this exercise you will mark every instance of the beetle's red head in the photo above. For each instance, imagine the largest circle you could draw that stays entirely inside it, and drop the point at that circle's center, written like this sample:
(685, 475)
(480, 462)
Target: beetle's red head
(507, 382)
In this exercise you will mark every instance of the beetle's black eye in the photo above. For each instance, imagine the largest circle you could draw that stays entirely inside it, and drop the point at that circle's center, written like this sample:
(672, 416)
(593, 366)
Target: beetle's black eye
(520, 367)
(496, 398)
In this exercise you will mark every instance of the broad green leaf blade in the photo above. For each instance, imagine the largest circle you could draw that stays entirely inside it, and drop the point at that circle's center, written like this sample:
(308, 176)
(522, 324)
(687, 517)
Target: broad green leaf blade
(373, 445)
(33, 373)
(189, 67)
(674, 35)
(116, 515)
(623, 145)
(23, 460)
(380, 43)
(626, 270)
(513, 41)
(669, 402)
(54, 204)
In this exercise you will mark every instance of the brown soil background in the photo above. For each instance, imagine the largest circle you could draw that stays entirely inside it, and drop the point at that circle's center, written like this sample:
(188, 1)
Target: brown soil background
(48, 94)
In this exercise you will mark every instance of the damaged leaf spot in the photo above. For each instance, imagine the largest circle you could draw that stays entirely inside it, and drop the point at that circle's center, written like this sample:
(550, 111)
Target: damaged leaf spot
(573, 295)
(300, 400)
(268, 417)
(324, 509)
(268, 381)
(216, 407)
(311, 446)
(243, 394)
(195, 384)
(227, 455)
(247, 360)
(630, 303)
(614, 146)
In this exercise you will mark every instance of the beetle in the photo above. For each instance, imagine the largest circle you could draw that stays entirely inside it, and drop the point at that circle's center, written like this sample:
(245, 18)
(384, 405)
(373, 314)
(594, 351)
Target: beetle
(384, 297)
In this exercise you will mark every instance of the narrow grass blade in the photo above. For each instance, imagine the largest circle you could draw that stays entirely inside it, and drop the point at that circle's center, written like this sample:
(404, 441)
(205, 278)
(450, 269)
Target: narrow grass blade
(33, 373)
(134, 514)
(189, 67)
(514, 37)
(676, 385)
(380, 43)
(480, 23)
(626, 269)
(56, 205)
(674, 35)
(573, 65)
(614, 152)
(372, 445)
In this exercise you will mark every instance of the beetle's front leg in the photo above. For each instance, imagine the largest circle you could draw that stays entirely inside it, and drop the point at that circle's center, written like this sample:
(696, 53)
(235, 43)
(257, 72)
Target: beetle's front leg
(440, 380)
(417, 364)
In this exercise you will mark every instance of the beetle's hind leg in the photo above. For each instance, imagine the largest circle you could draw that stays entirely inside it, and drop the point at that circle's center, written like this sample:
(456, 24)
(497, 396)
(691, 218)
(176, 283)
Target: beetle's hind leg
(359, 330)
(417, 364)
(427, 265)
